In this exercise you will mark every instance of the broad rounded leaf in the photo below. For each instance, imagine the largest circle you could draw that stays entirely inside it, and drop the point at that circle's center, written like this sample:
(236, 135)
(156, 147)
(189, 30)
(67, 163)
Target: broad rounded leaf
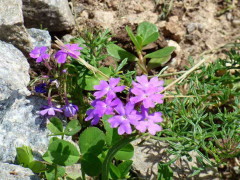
(125, 153)
(161, 53)
(55, 125)
(91, 164)
(134, 39)
(24, 156)
(72, 128)
(63, 153)
(120, 53)
(37, 166)
(156, 62)
(148, 32)
(92, 141)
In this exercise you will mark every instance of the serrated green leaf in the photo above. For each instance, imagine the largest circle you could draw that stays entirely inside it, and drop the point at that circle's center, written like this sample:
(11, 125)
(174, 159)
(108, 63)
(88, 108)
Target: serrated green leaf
(24, 156)
(37, 166)
(156, 62)
(167, 51)
(92, 141)
(133, 38)
(148, 32)
(125, 153)
(62, 152)
(52, 173)
(124, 168)
(91, 164)
(120, 53)
(72, 128)
(55, 126)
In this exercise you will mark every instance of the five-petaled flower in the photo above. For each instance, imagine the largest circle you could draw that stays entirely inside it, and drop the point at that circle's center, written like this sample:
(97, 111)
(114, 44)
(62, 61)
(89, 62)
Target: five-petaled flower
(70, 110)
(68, 50)
(40, 54)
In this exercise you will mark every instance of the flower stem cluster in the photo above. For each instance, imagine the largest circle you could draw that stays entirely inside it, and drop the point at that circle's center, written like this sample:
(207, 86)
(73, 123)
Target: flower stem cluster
(136, 112)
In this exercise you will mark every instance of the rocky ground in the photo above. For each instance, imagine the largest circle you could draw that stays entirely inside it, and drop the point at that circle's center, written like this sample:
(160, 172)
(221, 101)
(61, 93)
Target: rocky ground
(195, 27)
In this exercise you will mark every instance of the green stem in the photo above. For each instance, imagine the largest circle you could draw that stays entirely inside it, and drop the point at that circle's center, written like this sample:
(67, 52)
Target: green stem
(56, 178)
(112, 151)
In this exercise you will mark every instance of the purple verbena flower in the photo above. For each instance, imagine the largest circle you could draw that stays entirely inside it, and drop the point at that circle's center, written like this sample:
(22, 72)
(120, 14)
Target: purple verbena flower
(126, 116)
(147, 92)
(68, 50)
(70, 110)
(109, 89)
(41, 88)
(148, 122)
(92, 114)
(39, 53)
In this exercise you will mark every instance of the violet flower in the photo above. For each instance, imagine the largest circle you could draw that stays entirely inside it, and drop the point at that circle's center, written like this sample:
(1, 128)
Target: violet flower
(110, 89)
(92, 114)
(70, 110)
(49, 109)
(41, 88)
(147, 92)
(148, 122)
(39, 53)
(126, 116)
(68, 50)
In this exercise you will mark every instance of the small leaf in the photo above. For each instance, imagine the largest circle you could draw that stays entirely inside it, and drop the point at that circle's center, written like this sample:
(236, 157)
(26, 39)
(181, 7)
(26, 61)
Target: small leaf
(91, 164)
(120, 66)
(156, 62)
(37, 166)
(148, 32)
(120, 53)
(124, 168)
(114, 172)
(133, 38)
(51, 172)
(161, 53)
(63, 153)
(47, 157)
(55, 126)
(92, 141)
(24, 155)
(72, 128)
(125, 153)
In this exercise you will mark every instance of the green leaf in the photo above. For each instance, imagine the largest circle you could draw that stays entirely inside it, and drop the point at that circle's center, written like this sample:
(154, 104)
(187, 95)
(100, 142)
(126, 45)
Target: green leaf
(161, 53)
(24, 156)
(120, 53)
(164, 172)
(134, 39)
(148, 32)
(37, 166)
(112, 135)
(120, 66)
(47, 157)
(124, 168)
(156, 62)
(55, 126)
(72, 128)
(91, 164)
(92, 141)
(114, 172)
(125, 153)
(62, 152)
(93, 80)
(51, 172)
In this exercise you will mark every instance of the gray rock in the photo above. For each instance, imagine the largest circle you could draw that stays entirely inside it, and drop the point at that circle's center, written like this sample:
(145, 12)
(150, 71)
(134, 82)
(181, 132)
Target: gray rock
(55, 15)
(39, 37)
(11, 25)
(13, 71)
(15, 172)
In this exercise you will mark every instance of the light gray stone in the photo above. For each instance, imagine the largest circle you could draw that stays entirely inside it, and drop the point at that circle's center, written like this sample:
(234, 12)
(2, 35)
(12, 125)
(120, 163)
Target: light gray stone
(13, 71)
(15, 172)
(11, 25)
(55, 15)
(39, 37)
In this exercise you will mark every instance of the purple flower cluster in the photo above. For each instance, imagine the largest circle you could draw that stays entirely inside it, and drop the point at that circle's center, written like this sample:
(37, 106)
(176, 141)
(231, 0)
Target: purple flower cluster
(135, 113)
(40, 53)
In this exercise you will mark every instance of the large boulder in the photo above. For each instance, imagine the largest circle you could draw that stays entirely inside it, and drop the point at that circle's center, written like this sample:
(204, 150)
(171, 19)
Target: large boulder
(40, 37)
(55, 15)
(15, 172)
(11, 25)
